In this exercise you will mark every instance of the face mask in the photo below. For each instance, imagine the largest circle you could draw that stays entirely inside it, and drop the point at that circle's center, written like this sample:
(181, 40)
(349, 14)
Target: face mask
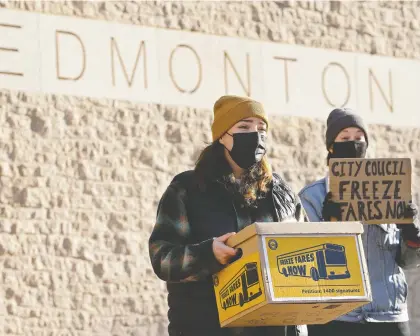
(348, 149)
(248, 149)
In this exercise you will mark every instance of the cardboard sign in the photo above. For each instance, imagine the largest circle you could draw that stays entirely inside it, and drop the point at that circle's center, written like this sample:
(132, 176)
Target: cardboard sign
(372, 191)
(291, 274)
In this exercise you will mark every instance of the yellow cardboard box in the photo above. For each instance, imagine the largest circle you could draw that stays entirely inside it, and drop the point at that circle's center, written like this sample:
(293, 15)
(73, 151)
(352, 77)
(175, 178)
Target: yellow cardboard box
(293, 273)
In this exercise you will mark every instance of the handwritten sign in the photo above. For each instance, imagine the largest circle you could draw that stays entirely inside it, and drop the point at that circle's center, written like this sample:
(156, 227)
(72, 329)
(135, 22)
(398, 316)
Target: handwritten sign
(372, 191)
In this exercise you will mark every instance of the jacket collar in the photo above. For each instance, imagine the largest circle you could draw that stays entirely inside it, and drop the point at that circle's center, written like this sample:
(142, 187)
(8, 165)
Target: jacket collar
(283, 199)
(327, 181)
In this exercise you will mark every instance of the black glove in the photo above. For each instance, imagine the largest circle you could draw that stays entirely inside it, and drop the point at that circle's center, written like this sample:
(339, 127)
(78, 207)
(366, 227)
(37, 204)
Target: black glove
(330, 209)
(411, 232)
(411, 211)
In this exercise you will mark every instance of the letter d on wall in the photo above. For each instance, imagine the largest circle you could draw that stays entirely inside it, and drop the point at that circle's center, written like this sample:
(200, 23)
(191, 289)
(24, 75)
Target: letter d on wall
(70, 56)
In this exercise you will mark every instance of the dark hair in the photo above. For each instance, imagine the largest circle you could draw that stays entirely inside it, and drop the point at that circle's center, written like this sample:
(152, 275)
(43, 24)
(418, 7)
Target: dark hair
(212, 165)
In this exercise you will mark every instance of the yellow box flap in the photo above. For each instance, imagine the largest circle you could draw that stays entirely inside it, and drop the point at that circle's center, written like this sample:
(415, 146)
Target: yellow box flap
(294, 228)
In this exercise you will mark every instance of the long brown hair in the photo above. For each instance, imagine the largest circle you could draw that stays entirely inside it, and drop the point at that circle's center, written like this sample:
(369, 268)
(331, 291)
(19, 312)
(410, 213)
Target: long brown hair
(212, 166)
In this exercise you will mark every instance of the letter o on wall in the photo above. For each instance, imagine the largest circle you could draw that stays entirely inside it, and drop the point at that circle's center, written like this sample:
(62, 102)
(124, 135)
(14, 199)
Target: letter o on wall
(324, 91)
(171, 70)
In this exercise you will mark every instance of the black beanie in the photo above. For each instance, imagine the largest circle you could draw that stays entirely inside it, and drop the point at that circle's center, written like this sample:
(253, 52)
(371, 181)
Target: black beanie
(340, 119)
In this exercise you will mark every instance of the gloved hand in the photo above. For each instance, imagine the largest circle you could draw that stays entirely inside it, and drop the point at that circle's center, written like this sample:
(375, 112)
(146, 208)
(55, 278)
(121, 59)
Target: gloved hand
(330, 209)
(411, 232)
(411, 211)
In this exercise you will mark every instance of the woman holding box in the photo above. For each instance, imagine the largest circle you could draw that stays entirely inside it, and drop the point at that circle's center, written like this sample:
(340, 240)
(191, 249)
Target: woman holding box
(388, 247)
(231, 187)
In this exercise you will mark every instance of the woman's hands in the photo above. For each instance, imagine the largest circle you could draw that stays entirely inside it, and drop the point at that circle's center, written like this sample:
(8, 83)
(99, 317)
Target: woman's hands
(222, 252)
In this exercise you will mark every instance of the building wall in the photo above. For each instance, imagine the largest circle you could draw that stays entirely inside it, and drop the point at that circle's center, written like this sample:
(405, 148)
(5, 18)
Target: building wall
(81, 177)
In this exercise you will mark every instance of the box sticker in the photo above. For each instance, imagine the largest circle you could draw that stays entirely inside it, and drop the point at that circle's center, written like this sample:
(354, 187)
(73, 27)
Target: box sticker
(239, 286)
(317, 268)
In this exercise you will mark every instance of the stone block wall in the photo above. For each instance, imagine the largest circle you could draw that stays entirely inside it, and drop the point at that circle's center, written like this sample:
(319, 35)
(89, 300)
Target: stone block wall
(80, 178)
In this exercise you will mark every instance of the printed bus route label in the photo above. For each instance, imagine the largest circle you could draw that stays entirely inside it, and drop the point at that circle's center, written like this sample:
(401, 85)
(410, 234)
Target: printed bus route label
(242, 288)
(324, 261)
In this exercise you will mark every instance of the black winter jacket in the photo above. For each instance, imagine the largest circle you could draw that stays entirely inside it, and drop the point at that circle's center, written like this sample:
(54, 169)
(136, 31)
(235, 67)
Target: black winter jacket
(181, 252)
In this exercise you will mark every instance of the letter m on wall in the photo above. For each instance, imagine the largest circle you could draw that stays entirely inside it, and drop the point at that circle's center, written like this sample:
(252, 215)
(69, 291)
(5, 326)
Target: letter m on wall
(116, 56)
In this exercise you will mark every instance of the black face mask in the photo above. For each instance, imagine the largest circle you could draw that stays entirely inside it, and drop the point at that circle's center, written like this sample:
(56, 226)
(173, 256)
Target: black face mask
(348, 149)
(248, 149)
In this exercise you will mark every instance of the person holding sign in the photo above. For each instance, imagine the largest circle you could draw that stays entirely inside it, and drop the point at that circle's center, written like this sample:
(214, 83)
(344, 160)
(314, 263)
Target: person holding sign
(231, 187)
(388, 247)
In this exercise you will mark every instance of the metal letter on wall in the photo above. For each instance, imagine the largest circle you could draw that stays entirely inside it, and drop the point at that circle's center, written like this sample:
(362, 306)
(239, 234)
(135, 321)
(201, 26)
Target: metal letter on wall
(246, 88)
(57, 54)
(324, 91)
(130, 80)
(389, 102)
(9, 49)
(286, 73)
(171, 70)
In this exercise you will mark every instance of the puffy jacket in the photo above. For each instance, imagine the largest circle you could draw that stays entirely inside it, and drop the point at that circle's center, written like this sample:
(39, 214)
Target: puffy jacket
(180, 246)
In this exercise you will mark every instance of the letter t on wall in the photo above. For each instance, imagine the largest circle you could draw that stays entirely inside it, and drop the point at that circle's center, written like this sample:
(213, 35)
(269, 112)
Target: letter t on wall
(286, 74)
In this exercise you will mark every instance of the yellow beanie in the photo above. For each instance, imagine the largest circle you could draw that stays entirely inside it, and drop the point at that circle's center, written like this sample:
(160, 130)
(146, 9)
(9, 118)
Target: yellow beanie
(228, 110)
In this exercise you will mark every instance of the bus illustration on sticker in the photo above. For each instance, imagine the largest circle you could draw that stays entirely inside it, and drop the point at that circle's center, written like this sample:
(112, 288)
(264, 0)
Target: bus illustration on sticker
(325, 261)
(242, 288)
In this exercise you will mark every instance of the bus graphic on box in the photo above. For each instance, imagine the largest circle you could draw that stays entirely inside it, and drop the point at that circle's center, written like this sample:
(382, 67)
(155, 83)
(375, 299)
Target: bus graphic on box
(242, 288)
(325, 261)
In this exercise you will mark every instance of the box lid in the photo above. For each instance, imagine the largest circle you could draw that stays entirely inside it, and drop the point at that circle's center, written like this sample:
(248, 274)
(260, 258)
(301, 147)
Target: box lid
(294, 228)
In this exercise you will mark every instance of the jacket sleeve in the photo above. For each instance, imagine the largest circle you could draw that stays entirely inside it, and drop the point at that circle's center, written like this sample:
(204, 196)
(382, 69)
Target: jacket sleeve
(173, 258)
(409, 256)
(309, 209)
